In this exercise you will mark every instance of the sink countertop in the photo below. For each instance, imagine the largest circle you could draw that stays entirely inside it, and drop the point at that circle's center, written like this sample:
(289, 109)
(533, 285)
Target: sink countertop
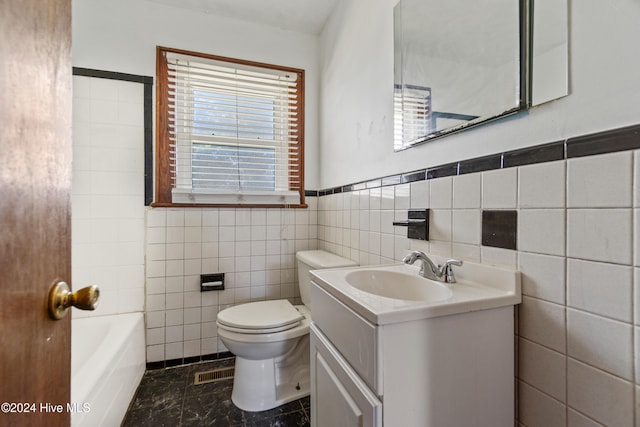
(478, 287)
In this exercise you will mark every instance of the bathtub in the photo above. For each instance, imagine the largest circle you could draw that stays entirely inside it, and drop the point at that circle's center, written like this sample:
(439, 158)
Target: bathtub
(107, 363)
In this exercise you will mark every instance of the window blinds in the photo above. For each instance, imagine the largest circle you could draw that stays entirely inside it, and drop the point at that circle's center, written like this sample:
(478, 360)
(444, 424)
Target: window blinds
(234, 131)
(412, 115)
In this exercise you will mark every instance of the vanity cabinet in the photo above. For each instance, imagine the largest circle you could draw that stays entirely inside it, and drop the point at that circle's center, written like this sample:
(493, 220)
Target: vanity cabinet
(447, 371)
(346, 399)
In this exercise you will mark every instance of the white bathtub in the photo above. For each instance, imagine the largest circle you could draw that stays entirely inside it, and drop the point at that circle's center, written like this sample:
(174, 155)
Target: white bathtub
(107, 363)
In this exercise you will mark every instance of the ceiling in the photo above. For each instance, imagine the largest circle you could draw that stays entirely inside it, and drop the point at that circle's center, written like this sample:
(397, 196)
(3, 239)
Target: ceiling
(305, 16)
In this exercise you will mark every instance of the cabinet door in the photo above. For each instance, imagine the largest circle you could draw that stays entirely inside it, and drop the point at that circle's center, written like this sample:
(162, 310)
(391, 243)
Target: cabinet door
(339, 398)
(353, 336)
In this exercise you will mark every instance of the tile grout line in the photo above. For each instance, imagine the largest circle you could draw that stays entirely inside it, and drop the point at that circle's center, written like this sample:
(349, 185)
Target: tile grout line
(566, 285)
(634, 356)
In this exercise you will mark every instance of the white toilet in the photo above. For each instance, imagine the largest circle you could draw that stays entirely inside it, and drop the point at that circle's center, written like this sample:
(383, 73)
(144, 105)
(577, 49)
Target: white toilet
(270, 340)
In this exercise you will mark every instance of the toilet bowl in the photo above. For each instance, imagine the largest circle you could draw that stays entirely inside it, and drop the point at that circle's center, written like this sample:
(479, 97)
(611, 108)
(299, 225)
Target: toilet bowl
(270, 340)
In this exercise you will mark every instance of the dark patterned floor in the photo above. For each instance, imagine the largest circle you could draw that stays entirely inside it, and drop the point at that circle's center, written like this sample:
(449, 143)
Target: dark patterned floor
(168, 397)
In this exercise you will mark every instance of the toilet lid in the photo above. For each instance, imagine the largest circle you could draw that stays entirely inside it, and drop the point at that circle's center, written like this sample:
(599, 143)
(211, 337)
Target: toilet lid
(261, 315)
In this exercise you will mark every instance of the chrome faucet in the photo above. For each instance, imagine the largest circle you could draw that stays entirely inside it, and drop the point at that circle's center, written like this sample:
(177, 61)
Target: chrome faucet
(429, 270)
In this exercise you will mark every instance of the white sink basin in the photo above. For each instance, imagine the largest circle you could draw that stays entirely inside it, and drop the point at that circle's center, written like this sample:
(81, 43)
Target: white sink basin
(398, 285)
(386, 294)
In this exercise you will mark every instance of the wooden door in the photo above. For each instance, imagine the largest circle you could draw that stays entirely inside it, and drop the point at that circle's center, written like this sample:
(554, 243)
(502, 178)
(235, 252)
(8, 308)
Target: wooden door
(35, 207)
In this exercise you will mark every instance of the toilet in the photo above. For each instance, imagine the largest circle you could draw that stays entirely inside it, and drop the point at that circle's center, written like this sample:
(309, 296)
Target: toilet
(270, 340)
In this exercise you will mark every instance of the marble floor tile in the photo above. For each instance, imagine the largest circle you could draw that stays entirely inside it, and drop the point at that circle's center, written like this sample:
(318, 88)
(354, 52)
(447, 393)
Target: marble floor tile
(168, 397)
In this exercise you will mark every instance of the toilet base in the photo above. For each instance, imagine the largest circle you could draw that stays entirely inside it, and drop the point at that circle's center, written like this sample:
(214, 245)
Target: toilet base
(259, 385)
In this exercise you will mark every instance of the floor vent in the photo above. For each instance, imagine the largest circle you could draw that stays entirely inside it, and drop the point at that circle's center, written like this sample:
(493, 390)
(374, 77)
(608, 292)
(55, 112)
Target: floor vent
(213, 375)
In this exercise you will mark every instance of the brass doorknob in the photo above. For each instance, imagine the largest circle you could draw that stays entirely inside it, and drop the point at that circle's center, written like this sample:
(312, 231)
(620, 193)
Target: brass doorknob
(61, 299)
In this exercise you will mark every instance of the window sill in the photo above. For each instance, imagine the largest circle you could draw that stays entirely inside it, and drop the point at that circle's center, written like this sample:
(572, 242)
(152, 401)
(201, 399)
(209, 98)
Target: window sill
(284, 199)
(226, 205)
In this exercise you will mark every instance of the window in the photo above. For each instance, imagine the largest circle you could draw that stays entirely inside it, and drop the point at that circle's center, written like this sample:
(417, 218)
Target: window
(414, 118)
(412, 115)
(229, 132)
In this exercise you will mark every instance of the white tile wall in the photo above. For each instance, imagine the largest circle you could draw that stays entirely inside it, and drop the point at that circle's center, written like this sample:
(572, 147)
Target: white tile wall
(542, 368)
(600, 235)
(581, 327)
(636, 179)
(441, 196)
(599, 395)
(543, 322)
(420, 194)
(466, 226)
(542, 231)
(579, 255)
(255, 248)
(108, 193)
(440, 225)
(600, 181)
(601, 288)
(636, 293)
(576, 419)
(542, 185)
(499, 189)
(543, 276)
(466, 191)
(540, 410)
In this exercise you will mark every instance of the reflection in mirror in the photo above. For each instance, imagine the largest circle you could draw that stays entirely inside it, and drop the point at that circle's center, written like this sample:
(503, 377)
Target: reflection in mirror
(457, 63)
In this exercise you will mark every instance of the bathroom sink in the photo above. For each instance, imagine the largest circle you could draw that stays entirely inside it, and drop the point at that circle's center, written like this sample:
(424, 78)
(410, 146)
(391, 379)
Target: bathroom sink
(398, 285)
(385, 294)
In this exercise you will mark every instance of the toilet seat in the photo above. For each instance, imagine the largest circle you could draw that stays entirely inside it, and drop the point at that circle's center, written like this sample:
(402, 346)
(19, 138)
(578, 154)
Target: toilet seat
(262, 317)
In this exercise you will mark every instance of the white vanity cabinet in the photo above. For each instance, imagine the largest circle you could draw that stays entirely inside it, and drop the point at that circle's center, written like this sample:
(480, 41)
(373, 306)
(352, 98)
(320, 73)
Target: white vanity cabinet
(346, 399)
(446, 371)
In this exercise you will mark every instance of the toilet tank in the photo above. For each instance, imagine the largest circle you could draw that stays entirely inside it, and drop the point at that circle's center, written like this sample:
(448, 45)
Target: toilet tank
(316, 260)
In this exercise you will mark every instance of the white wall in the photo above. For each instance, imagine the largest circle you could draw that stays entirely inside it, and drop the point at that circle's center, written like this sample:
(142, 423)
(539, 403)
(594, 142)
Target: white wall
(356, 116)
(122, 35)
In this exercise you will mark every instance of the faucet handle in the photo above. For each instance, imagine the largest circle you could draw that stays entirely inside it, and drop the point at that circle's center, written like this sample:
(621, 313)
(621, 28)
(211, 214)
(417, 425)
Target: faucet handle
(451, 262)
(447, 271)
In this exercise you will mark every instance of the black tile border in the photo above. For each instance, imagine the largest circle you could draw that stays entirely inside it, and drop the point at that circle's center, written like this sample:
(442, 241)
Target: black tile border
(174, 362)
(148, 143)
(155, 365)
(609, 141)
(413, 176)
(102, 74)
(480, 164)
(187, 360)
(216, 356)
(391, 180)
(442, 171)
(538, 154)
(622, 139)
(148, 118)
(376, 183)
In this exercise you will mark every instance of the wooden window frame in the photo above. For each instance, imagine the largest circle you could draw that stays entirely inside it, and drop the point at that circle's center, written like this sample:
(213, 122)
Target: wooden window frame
(164, 112)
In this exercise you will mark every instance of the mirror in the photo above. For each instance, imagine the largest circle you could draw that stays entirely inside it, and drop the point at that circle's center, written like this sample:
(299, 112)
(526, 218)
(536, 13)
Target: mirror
(549, 50)
(459, 64)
